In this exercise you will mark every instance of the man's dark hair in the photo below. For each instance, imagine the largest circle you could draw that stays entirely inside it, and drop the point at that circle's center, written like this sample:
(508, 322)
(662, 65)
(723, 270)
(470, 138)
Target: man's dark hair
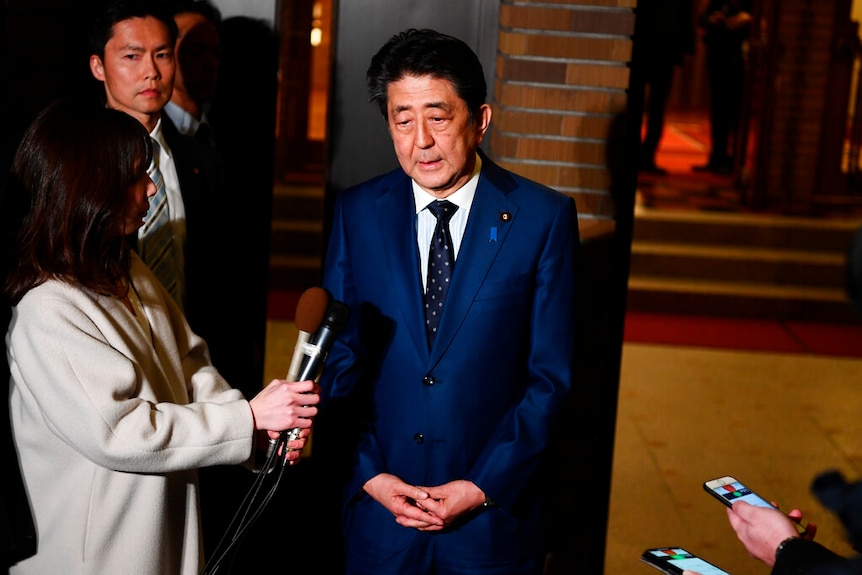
(427, 53)
(203, 7)
(102, 27)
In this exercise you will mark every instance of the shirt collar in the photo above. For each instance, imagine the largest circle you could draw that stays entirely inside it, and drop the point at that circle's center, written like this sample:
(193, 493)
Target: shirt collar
(463, 197)
(186, 123)
(158, 135)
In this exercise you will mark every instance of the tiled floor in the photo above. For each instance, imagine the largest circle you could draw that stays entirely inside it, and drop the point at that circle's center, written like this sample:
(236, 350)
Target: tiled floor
(689, 414)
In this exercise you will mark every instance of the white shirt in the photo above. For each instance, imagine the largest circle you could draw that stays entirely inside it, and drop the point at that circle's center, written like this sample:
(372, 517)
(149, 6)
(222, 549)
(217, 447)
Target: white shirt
(186, 124)
(426, 222)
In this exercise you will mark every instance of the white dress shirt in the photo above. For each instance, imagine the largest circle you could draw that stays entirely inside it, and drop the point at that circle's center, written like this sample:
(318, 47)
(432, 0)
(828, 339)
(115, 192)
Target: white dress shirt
(426, 222)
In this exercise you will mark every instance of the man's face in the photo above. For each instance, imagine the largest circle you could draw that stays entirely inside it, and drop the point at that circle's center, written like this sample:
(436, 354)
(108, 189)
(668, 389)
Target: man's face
(138, 68)
(434, 139)
(198, 57)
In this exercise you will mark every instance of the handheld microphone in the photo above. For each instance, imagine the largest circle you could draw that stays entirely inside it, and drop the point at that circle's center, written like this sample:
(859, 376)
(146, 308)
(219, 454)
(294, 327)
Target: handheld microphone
(310, 309)
(318, 346)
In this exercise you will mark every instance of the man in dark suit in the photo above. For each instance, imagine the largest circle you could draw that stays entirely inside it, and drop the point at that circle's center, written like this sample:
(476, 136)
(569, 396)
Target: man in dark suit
(132, 47)
(453, 421)
(132, 53)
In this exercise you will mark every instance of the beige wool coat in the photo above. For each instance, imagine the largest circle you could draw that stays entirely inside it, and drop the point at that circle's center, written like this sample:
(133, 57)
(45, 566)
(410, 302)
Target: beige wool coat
(111, 418)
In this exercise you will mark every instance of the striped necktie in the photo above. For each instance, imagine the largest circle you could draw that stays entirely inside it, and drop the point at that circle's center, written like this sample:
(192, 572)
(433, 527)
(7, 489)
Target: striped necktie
(156, 238)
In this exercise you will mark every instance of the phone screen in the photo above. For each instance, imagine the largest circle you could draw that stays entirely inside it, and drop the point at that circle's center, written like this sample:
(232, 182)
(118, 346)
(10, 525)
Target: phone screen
(729, 490)
(674, 559)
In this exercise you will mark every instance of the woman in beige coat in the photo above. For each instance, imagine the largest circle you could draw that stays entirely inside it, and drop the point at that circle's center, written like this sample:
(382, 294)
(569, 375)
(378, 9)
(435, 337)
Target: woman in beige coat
(114, 403)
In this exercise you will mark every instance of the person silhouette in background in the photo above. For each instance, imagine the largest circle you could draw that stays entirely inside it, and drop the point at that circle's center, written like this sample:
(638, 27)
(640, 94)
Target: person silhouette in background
(198, 55)
(726, 25)
(242, 117)
(670, 38)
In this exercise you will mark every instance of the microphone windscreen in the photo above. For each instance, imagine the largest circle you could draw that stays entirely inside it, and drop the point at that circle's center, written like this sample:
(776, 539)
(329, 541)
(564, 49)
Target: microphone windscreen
(311, 308)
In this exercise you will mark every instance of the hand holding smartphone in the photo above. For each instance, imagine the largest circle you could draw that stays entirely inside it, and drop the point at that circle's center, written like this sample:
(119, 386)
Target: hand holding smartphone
(673, 560)
(728, 489)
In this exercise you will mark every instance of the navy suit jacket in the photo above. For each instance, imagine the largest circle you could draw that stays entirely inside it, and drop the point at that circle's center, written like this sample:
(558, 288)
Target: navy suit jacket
(481, 404)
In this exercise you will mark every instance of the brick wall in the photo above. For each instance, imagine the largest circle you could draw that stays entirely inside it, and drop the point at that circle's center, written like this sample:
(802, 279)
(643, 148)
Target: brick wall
(561, 78)
(560, 89)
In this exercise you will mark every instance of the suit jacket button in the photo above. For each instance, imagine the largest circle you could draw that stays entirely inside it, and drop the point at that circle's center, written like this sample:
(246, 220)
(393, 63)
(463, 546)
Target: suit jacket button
(418, 439)
(429, 380)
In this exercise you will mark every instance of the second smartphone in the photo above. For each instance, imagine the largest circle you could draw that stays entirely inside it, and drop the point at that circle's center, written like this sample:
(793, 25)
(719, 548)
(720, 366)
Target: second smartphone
(673, 560)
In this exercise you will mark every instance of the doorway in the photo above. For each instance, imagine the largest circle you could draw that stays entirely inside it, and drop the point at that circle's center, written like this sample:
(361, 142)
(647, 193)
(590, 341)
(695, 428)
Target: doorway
(305, 52)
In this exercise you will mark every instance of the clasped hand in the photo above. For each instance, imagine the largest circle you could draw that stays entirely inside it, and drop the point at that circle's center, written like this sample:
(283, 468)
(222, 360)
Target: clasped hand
(424, 508)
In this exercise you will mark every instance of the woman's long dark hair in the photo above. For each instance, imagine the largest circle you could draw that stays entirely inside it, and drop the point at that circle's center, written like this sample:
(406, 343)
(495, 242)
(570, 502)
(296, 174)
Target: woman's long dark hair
(75, 167)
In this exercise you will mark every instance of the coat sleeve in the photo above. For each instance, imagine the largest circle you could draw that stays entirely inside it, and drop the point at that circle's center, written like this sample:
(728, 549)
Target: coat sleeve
(507, 463)
(339, 418)
(110, 396)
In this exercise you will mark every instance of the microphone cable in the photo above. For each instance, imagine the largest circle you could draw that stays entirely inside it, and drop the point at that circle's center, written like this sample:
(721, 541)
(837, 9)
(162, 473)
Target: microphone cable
(325, 317)
(251, 508)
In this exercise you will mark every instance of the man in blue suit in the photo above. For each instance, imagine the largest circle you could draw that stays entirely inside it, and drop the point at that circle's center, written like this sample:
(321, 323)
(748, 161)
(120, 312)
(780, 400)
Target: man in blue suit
(446, 471)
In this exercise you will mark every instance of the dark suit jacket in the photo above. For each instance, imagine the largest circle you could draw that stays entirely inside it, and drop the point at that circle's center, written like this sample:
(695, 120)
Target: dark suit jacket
(225, 302)
(481, 404)
(214, 261)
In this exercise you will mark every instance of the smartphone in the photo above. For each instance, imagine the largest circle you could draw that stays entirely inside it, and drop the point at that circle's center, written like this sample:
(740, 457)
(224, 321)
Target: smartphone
(728, 489)
(672, 560)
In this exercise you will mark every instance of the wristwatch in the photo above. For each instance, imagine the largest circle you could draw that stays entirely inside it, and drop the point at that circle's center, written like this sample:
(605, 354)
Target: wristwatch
(781, 545)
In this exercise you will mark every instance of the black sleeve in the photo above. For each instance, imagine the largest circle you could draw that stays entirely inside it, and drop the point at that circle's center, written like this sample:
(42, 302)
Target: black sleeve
(804, 557)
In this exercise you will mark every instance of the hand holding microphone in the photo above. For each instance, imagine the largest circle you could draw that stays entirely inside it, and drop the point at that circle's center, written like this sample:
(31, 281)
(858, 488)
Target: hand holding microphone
(318, 327)
(315, 350)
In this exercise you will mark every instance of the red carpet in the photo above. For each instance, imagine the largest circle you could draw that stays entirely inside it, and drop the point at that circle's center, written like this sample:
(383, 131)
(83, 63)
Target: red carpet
(698, 331)
(745, 334)
(685, 144)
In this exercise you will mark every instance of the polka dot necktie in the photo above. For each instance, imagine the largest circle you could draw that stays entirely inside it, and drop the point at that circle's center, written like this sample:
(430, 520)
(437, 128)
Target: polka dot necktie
(441, 263)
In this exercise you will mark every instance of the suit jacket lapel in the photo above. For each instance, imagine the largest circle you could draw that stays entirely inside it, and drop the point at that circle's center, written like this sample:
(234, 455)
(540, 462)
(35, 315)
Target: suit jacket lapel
(487, 229)
(396, 222)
